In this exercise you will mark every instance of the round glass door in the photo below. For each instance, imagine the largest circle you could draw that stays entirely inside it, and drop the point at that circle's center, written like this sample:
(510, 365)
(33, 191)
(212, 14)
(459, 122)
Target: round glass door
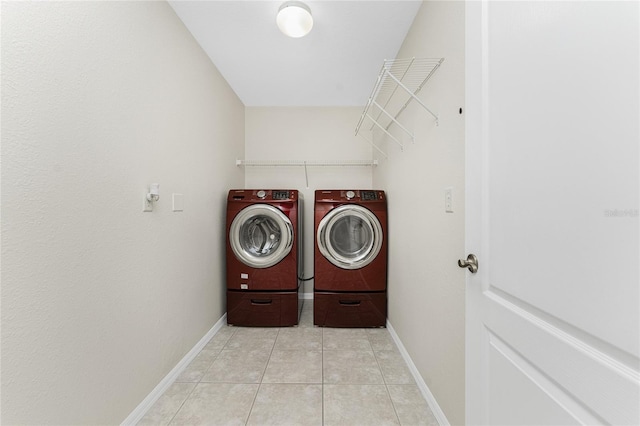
(261, 236)
(350, 236)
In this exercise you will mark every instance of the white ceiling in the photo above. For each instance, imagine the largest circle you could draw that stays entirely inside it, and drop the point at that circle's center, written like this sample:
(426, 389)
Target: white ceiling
(335, 65)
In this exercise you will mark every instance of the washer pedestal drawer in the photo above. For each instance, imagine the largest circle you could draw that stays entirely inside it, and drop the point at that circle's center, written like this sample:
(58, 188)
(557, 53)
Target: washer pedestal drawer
(262, 309)
(350, 309)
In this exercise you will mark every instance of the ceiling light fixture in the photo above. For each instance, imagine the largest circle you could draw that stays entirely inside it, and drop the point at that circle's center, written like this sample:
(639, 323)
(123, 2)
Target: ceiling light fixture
(294, 19)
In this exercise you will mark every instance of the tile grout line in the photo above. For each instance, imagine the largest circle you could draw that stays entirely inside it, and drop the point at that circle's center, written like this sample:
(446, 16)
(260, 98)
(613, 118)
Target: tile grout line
(182, 405)
(384, 379)
(195, 384)
(262, 376)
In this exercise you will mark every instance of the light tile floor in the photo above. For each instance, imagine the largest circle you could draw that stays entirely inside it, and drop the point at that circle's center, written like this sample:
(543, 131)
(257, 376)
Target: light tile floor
(302, 375)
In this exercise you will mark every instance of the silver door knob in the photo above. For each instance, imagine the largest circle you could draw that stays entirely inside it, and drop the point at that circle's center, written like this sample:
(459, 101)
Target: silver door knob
(471, 263)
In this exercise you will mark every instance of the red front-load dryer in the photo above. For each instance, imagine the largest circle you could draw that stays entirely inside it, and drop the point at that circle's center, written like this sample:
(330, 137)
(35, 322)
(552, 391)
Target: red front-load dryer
(350, 258)
(264, 257)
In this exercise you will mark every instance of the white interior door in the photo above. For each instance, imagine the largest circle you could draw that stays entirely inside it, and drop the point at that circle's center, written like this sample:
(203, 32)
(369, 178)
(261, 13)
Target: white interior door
(552, 203)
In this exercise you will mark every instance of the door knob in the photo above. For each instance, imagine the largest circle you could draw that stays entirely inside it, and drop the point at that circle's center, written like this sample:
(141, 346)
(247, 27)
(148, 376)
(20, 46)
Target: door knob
(471, 263)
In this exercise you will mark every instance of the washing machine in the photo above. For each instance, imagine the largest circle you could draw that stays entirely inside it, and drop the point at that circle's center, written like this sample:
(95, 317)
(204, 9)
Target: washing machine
(350, 258)
(264, 257)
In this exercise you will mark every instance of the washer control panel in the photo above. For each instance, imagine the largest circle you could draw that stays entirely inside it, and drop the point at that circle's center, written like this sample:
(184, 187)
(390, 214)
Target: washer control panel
(262, 194)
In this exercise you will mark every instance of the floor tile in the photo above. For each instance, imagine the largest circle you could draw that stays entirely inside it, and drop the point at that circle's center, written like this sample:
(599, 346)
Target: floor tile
(200, 364)
(306, 319)
(298, 366)
(394, 369)
(287, 404)
(345, 339)
(217, 404)
(218, 341)
(358, 405)
(351, 367)
(381, 340)
(252, 339)
(237, 367)
(167, 405)
(410, 406)
(302, 375)
(299, 338)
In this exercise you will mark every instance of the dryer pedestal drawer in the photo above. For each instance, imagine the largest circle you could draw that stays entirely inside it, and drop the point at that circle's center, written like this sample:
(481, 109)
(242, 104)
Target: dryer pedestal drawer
(350, 309)
(262, 309)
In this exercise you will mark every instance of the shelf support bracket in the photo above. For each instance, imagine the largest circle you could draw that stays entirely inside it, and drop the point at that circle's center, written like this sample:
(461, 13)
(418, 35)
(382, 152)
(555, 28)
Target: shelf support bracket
(399, 83)
(386, 131)
(374, 145)
(394, 120)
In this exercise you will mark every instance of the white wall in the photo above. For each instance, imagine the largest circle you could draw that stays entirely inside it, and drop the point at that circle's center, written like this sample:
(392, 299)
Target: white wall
(311, 134)
(426, 287)
(101, 300)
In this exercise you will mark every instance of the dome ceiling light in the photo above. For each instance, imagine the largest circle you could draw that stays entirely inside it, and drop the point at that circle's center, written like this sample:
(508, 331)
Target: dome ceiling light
(294, 19)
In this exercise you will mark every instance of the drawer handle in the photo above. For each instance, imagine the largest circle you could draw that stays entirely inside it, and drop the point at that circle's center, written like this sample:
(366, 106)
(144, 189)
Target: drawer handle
(349, 302)
(261, 301)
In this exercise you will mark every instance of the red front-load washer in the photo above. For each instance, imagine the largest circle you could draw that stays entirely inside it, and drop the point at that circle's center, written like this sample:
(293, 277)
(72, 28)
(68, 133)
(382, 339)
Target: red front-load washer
(350, 258)
(264, 257)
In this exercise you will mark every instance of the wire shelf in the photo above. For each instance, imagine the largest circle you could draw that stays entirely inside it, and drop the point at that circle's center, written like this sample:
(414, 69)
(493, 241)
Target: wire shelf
(398, 83)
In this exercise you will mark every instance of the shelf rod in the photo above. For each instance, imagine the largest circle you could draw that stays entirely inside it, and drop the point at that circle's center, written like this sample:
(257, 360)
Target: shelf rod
(305, 164)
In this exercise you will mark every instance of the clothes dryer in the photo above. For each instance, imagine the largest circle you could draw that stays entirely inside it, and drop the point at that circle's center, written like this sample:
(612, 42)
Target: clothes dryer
(350, 258)
(264, 257)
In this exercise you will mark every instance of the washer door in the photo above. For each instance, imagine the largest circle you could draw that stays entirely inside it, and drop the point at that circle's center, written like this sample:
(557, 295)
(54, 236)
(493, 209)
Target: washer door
(261, 236)
(350, 236)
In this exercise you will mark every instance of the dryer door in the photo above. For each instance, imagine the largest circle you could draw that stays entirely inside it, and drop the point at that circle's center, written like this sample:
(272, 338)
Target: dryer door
(350, 236)
(261, 236)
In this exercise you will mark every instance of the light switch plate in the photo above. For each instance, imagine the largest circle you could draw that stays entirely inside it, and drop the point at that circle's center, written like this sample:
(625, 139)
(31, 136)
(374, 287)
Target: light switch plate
(178, 202)
(448, 200)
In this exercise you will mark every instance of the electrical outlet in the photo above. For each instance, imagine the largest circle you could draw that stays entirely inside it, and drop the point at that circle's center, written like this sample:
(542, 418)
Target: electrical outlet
(448, 200)
(147, 206)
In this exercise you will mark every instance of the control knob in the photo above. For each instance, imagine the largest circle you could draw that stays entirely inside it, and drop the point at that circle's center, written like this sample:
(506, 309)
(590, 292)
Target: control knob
(350, 195)
(261, 194)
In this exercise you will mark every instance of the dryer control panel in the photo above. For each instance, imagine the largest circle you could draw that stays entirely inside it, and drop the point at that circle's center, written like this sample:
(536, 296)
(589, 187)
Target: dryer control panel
(353, 195)
(369, 195)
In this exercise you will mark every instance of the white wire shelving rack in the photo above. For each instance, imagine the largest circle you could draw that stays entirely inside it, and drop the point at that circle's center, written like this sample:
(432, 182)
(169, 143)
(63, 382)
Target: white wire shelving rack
(305, 164)
(399, 82)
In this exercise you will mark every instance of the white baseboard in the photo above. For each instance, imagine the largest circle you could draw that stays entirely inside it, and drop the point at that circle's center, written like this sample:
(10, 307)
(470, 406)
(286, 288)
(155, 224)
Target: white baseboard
(424, 389)
(139, 412)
